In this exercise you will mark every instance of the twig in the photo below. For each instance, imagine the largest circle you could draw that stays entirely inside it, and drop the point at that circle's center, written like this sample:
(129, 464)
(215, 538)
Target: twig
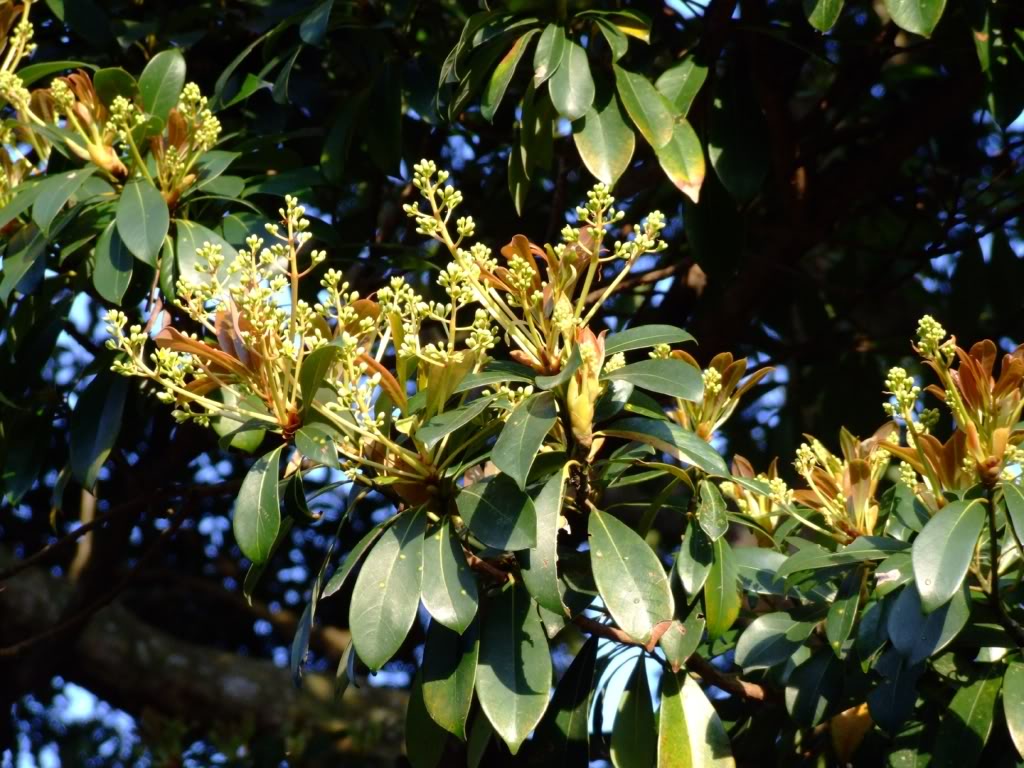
(730, 683)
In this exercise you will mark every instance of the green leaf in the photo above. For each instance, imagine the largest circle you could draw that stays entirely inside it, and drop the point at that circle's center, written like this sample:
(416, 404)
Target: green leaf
(682, 639)
(563, 735)
(737, 137)
(191, 237)
(721, 592)
(644, 337)
(942, 552)
(635, 731)
(523, 435)
(572, 85)
(690, 733)
(892, 702)
(681, 84)
(257, 517)
(142, 220)
(424, 738)
(558, 379)
(337, 581)
(479, 738)
(967, 724)
(518, 178)
(448, 421)
(449, 588)
(538, 564)
(53, 192)
(496, 372)
(770, 640)
(494, 92)
(387, 590)
(671, 438)
(316, 443)
(906, 507)
(918, 636)
(823, 14)
(1013, 702)
(499, 513)
(694, 559)
(449, 674)
(863, 548)
(711, 512)
(1014, 497)
(35, 72)
(629, 576)
(514, 674)
(548, 56)
(112, 273)
(649, 110)
(814, 688)
(682, 160)
(917, 16)
(843, 612)
(604, 140)
(313, 28)
(95, 424)
(161, 82)
(315, 367)
(256, 570)
(758, 570)
(112, 82)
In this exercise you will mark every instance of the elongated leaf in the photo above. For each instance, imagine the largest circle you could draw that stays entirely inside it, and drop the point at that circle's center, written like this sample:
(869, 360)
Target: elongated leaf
(112, 82)
(672, 439)
(823, 14)
(643, 337)
(558, 379)
(449, 674)
(1013, 702)
(316, 443)
(142, 220)
(449, 588)
(563, 735)
(843, 612)
(737, 144)
(770, 640)
(387, 590)
(694, 559)
(942, 552)
(95, 425)
(192, 237)
(862, 548)
(313, 28)
(681, 83)
(635, 731)
(315, 367)
(161, 82)
(721, 592)
(523, 435)
(758, 570)
(571, 85)
(424, 738)
(629, 576)
(53, 192)
(967, 724)
(112, 273)
(604, 140)
(892, 702)
(711, 512)
(514, 674)
(548, 56)
(300, 644)
(494, 92)
(650, 111)
(447, 422)
(256, 571)
(682, 160)
(917, 16)
(499, 513)
(496, 372)
(337, 581)
(666, 377)
(917, 636)
(539, 564)
(1014, 507)
(814, 688)
(257, 517)
(690, 732)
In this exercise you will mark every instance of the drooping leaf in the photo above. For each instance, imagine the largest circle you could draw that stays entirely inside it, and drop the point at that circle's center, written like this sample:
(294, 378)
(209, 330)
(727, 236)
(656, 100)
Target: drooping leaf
(823, 14)
(672, 439)
(337, 581)
(313, 28)
(448, 421)
(494, 92)
(112, 82)
(918, 636)
(563, 735)
(538, 564)
(499, 513)
(315, 367)
(548, 56)
(690, 732)
(300, 644)
(967, 724)
(112, 273)
(161, 82)
(681, 83)
(571, 85)
(192, 237)
(891, 703)
(523, 435)
(568, 369)
(650, 111)
(449, 588)
(53, 192)
(1014, 507)
(635, 731)
(95, 425)
(449, 675)
(1013, 702)
(629, 576)
(514, 673)
(643, 337)
(711, 512)
(424, 738)
(387, 590)
(737, 144)
(257, 517)
(316, 443)
(497, 371)
(942, 552)
(814, 688)
(917, 16)
(694, 559)
(142, 220)
(666, 377)
(770, 640)
(604, 140)
(863, 548)
(843, 612)
(682, 159)
(721, 591)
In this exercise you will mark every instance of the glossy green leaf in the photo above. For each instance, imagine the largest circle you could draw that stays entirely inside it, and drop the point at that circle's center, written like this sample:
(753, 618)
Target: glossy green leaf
(424, 738)
(315, 367)
(650, 111)
(449, 587)
(161, 82)
(665, 377)
(711, 512)
(95, 425)
(758, 570)
(191, 237)
(293, 500)
(313, 28)
(112, 273)
(337, 581)
(629, 576)
(497, 372)
(539, 563)
(514, 673)
(721, 591)
(316, 443)
(690, 733)
(682, 159)
(671, 438)
(635, 731)
(499, 513)
(256, 570)
(694, 559)
(604, 140)
(891, 703)
(494, 92)
(942, 552)
(568, 369)
(523, 435)
(906, 507)
(682, 639)
(449, 675)
(563, 735)
(644, 337)
(112, 82)
(571, 85)
(448, 421)
(917, 16)
(548, 56)
(387, 590)
(770, 640)
(814, 688)
(1013, 702)
(681, 83)
(823, 14)
(479, 739)
(863, 548)
(257, 517)
(1014, 497)
(843, 612)
(53, 192)
(37, 71)
(737, 136)
(918, 636)
(142, 219)
(967, 724)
